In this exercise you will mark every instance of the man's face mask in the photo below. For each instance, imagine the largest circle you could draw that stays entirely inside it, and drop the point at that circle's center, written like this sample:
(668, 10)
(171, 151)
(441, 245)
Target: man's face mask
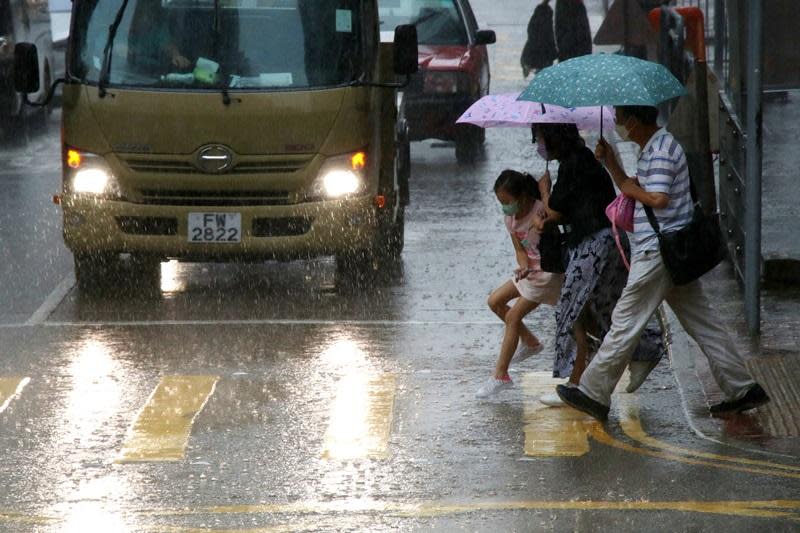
(623, 132)
(510, 209)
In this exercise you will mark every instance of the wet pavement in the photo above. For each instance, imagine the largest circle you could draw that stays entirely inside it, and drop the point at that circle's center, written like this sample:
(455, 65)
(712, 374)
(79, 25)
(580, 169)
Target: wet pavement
(284, 397)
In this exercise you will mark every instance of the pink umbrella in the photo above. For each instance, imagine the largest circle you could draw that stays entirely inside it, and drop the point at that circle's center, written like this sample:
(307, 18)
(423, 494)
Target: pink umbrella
(505, 111)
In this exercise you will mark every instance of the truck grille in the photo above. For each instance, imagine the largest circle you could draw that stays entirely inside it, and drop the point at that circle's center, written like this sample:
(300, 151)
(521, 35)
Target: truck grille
(148, 225)
(285, 165)
(281, 227)
(212, 198)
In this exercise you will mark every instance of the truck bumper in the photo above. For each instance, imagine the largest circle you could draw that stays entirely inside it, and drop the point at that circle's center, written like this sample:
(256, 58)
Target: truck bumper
(268, 232)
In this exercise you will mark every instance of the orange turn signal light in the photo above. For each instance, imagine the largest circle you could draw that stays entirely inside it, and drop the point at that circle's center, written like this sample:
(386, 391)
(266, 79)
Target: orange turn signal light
(73, 158)
(380, 201)
(358, 161)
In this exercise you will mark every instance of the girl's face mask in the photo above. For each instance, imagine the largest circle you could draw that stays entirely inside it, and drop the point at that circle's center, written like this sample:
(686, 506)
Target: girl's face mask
(510, 209)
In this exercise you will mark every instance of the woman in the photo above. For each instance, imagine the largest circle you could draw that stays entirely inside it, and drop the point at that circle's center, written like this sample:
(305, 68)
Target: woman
(595, 275)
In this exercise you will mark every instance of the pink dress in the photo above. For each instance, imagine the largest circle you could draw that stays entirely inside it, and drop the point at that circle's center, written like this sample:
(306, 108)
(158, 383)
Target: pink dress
(538, 286)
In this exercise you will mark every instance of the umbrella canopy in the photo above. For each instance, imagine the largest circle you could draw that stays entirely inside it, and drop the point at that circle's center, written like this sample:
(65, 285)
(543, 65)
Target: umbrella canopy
(506, 111)
(603, 79)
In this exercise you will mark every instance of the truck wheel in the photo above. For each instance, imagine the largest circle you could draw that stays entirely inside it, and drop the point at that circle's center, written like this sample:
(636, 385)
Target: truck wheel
(469, 144)
(146, 272)
(94, 270)
(396, 239)
(356, 265)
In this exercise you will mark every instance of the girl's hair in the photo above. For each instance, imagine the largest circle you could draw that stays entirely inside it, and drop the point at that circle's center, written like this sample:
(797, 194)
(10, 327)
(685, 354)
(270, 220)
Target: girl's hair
(518, 184)
(561, 140)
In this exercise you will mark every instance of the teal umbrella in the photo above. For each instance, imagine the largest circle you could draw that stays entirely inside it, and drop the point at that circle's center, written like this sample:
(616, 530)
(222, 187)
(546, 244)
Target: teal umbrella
(603, 79)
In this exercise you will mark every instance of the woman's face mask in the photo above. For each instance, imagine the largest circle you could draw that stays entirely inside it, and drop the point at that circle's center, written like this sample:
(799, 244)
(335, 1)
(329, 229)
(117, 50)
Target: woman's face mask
(510, 209)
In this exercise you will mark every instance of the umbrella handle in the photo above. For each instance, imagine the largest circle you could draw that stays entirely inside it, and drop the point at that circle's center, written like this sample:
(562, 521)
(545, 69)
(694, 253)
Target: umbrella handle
(601, 121)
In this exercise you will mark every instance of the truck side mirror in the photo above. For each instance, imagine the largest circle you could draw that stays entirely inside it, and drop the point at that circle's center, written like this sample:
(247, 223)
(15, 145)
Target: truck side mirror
(26, 68)
(406, 54)
(485, 37)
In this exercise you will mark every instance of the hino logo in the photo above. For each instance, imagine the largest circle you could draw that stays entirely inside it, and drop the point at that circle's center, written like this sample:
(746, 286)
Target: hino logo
(214, 158)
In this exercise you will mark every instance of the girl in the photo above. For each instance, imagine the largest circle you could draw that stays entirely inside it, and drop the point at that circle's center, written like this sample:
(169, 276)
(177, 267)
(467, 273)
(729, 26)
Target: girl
(524, 212)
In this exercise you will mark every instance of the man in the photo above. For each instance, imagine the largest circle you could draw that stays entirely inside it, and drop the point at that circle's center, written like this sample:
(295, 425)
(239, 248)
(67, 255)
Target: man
(663, 184)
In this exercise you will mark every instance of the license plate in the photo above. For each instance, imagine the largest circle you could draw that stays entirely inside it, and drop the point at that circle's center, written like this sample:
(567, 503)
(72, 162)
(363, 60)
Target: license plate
(215, 227)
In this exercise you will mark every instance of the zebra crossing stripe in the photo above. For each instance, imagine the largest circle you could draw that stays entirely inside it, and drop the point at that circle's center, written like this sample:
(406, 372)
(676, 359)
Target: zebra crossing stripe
(10, 388)
(162, 429)
(361, 415)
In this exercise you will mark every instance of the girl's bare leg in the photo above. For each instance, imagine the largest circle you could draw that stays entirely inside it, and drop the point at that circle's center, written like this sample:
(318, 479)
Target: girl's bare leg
(498, 303)
(514, 325)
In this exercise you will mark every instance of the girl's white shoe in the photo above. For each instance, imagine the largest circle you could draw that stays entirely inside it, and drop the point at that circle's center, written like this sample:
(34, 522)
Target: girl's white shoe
(524, 351)
(492, 386)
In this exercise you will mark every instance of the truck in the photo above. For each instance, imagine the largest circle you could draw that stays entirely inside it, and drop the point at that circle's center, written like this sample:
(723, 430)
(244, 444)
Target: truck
(24, 21)
(230, 130)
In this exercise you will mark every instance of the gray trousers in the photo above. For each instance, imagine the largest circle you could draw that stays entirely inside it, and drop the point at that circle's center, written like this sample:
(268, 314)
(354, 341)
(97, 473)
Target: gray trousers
(648, 285)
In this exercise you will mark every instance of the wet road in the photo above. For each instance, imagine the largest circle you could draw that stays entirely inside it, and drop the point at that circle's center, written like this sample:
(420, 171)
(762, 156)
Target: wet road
(280, 397)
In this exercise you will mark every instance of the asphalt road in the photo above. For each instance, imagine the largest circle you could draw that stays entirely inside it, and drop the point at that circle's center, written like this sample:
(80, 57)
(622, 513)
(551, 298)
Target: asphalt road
(279, 397)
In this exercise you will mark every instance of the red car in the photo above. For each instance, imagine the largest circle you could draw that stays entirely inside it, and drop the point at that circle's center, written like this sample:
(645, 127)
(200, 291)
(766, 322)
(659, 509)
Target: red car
(454, 69)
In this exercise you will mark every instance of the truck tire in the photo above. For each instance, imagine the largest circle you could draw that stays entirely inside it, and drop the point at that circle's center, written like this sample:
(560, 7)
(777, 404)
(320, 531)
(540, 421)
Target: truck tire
(469, 144)
(385, 253)
(145, 273)
(94, 271)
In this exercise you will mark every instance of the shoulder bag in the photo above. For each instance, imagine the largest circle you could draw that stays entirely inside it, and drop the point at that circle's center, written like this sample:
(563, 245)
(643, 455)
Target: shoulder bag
(553, 250)
(693, 250)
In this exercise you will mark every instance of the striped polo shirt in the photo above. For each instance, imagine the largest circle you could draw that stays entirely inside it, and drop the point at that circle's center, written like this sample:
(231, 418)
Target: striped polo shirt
(662, 168)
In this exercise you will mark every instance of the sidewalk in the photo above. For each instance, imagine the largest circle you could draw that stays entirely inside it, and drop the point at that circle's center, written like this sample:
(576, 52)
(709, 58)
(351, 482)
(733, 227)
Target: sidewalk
(775, 362)
(772, 428)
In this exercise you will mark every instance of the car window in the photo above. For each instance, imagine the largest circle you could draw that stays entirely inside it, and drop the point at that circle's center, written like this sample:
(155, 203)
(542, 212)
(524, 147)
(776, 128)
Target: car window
(438, 21)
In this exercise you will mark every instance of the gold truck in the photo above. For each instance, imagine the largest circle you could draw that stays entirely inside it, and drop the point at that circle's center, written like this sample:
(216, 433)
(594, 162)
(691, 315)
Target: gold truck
(217, 130)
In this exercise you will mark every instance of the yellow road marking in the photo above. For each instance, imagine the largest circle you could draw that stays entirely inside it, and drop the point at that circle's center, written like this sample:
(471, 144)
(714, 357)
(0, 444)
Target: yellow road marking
(632, 427)
(787, 509)
(10, 388)
(8, 516)
(161, 431)
(361, 418)
(601, 436)
(763, 508)
(552, 431)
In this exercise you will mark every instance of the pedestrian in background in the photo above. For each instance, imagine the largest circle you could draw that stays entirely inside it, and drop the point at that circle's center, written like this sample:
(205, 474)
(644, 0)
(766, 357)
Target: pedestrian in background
(540, 47)
(595, 275)
(530, 286)
(573, 34)
(664, 186)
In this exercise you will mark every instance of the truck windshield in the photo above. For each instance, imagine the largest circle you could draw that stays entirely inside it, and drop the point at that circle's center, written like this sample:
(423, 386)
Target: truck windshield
(233, 44)
(438, 22)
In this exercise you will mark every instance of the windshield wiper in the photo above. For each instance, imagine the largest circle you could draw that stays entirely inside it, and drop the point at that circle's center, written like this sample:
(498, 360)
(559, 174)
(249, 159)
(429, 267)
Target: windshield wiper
(105, 68)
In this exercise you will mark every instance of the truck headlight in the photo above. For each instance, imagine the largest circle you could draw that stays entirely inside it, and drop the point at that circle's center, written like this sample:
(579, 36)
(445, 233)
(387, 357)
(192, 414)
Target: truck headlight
(89, 173)
(341, 176)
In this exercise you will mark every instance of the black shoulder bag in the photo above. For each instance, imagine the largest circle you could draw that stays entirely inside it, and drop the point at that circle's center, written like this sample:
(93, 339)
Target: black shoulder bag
(693, 250)
(553, 250)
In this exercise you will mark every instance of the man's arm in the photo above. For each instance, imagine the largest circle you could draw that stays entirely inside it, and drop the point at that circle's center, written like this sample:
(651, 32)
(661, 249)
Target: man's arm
(627, 185)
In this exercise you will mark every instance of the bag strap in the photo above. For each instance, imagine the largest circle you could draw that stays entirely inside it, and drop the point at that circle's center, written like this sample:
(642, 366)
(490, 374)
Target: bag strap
(651, 217)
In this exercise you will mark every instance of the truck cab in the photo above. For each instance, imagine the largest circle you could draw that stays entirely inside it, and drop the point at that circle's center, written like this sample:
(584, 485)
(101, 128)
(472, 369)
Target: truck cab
(202, 130)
